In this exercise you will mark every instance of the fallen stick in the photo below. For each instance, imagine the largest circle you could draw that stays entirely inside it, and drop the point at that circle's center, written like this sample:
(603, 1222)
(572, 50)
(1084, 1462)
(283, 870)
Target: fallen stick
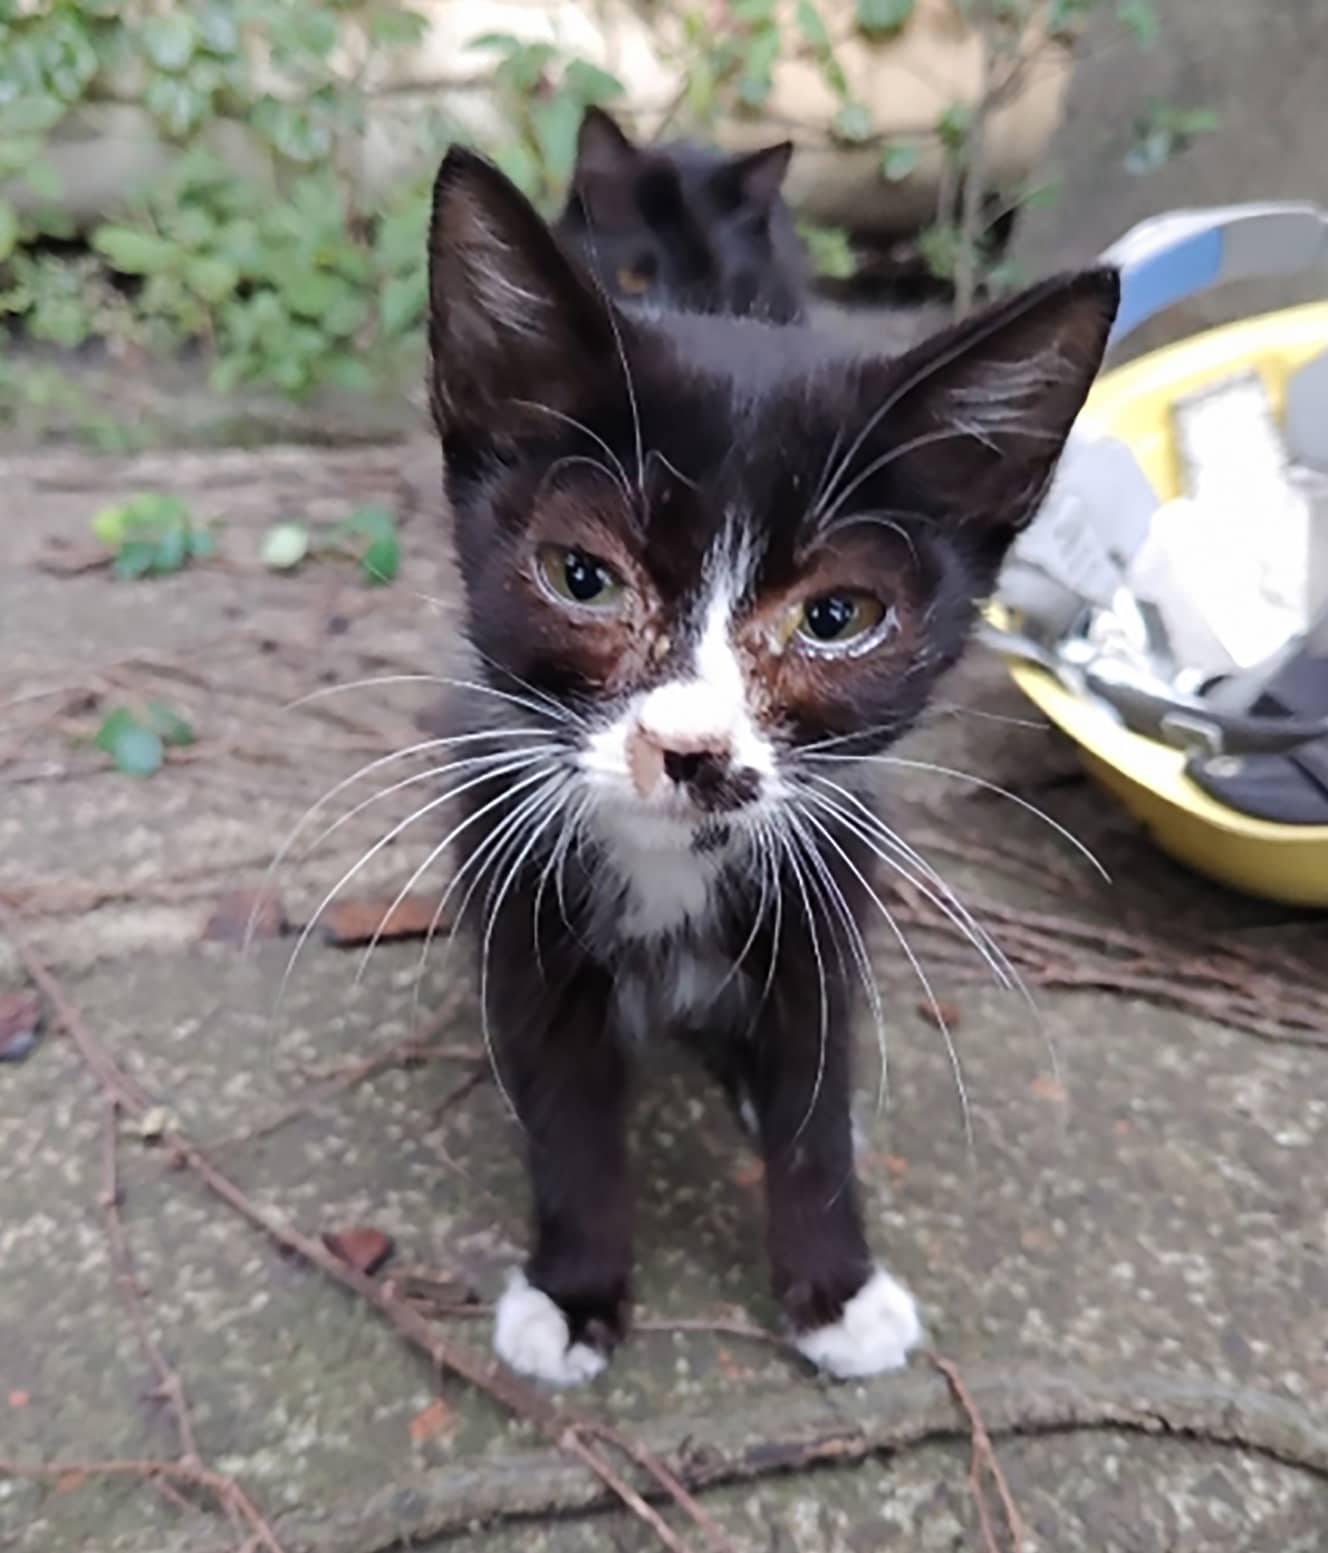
(570, 1431)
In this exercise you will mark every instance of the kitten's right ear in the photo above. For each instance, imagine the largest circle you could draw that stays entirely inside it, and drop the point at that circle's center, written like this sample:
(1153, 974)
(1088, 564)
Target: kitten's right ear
(604, 179)
(756, 178)
(510, 319)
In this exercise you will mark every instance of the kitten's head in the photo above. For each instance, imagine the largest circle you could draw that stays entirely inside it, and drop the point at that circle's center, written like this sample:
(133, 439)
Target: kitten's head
(699, 549)
(683, 226)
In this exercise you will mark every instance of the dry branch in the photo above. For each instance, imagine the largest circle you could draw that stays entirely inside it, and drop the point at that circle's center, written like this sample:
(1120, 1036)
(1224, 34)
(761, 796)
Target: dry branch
(571, 1432)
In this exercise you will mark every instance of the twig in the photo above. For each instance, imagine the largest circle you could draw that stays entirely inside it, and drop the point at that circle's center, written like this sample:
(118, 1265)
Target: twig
(411, 1048)
(983, 1463)
(169, 1384)
(569, 1430)
(193, 1474)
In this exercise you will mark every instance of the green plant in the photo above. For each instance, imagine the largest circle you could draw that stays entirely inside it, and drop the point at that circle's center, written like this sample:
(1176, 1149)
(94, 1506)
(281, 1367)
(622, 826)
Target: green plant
(136, 743)
(1162, 131)
(369, 535)
(152, 534)
(281, 276)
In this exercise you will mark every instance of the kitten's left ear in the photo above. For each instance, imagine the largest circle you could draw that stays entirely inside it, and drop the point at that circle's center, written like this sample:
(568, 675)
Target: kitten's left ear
(511, 321)
(979, 414)
(755, 180)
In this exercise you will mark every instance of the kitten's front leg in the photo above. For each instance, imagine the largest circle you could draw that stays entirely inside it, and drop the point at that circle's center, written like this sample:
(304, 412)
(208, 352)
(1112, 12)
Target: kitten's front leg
(567, 1077)
(849, 1316)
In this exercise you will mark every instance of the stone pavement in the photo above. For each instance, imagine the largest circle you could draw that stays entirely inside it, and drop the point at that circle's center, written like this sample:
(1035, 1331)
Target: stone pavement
(1142, 1239)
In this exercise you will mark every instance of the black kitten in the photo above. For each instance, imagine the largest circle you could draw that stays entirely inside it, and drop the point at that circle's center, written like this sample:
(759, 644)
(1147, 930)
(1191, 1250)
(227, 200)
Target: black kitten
(711, 569)
(685, 227)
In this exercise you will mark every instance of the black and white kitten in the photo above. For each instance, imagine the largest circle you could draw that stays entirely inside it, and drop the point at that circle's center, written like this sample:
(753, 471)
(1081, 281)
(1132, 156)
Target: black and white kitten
(699, 554)
(683, 226)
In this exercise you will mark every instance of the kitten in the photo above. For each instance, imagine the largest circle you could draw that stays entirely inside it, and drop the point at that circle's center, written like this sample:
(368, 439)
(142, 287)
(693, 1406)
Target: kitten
(704, 560)
(679, 225)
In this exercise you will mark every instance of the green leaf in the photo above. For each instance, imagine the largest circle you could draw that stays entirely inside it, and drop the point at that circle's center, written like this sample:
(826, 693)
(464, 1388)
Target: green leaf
(879, 18)
(135, 253)
(830, 249)
(136, 559)
(900, 160)
(8, 230)
(396, 29)
(171, 551)
(115, 724)
(218, 29)
(853, 123)
(1140, 16)
(758, 11)
(202, 545)
(31, 113)
(381, 560)
(169, 725)
(177, 105)
(43, 179)
(811, 25)
(138, 752)
(310, 293)
(504, 42)
(169, 39)
(108, 526)
(372, 521)
(285, 546)
(589, 84)
(519, 162)
(953, 127)
(556, 122)
(758, 63)
(212, 279)
(1039, 196)
(402, 303)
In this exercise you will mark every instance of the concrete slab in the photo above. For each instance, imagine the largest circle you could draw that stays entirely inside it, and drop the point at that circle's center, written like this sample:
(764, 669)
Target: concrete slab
(1156, 1211)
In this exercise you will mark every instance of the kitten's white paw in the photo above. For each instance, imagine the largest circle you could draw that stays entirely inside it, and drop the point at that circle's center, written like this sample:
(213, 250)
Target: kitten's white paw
(877, 1331)
(530, 1333)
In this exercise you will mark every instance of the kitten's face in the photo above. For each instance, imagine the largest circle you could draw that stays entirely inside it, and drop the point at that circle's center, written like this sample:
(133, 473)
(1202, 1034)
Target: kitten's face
(685, 227)
(713, 546)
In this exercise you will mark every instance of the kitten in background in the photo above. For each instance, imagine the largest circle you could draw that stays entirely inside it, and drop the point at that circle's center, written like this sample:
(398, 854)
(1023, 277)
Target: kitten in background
(685, 227)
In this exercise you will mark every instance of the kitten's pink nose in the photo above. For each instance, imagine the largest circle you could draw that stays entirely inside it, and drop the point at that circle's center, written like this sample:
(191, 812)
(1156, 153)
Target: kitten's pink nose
(680, 729)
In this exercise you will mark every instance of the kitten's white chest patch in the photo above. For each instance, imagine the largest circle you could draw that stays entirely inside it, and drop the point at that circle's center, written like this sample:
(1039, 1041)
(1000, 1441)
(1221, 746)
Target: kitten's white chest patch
(676, 983)
(665, 891)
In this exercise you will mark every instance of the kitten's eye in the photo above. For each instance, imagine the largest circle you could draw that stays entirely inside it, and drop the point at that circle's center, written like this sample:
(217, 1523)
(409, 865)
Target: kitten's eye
(839, 619)
(579, 578)
(633, 283)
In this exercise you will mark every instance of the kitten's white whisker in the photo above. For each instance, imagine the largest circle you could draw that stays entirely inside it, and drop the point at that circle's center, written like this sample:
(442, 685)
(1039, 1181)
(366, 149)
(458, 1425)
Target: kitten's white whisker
(427, 679)
(823, 1033)
(366, 857)
(983, 940)
(866, 975)
(540, 774)
(618, 473)
(942, 897)
(555, 707)
(374, 765)
(956, 1067)
(497, 906)
(901, 450)
(469, 764)
(489, 842)
(986, 786)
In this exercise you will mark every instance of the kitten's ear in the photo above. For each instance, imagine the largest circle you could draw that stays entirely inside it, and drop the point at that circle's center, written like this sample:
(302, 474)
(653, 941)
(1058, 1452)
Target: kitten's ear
(755, 180)
(607, 163)
(979, 414)
(510, 318)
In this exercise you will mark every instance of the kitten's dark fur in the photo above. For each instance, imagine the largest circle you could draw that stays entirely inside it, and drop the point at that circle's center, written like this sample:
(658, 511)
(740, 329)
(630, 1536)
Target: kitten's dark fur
(685, 227)
(662, 525)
